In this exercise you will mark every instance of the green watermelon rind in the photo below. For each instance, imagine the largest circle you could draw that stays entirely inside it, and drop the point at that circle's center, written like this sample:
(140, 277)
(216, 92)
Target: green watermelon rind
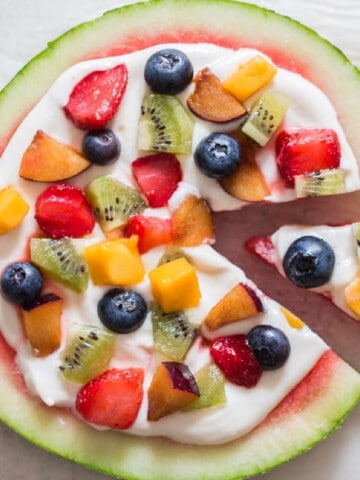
(230, 24)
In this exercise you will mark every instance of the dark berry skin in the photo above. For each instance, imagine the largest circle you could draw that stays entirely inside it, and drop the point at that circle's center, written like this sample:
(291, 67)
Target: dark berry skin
(270, 346)
(168, 71)
(217, 155)
(21, 283)
(101, 146)
(121, 310)
(309, 262)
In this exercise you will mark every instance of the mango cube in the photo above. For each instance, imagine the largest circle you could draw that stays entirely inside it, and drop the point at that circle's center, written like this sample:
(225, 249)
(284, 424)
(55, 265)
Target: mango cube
(352, 296)
(293, 320)
(250, 77)
(13, 209)
(175, 285)
(115, 262)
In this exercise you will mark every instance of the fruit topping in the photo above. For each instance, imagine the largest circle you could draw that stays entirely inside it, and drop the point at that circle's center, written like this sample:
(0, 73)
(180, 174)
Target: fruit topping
(172, 387)
(210, 101)
(309, 262)
(172, 252)
(42, 324)
(265, 117)
(122, 310)
(302, 151)
(21, 283)
(96, 98)
(270, 345)
(47, 160)
(115, 262)
(239, 303)
(165, 125)
(263, 247)
(101, 146)
(175, 285)
(250, 77)
(151, 231)
(158, 177)
(211, 384)
(293, 320)
(113, 202)
(173, 333)
(13, 209)
(356, 234)
(168, 71)
(63, 211)
(62, 259)
(218, 155)
(352, 296)
(88, 353)
(192, 222)
(112, 399)
(233, 355)
(322, 182)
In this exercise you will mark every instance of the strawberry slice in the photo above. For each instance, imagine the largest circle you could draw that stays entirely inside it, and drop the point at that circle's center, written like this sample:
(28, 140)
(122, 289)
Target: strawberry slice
(234, 357)
(152, 231)
(113, 398)
(95, 99)
(158, 177)
(62, 210)
(301, 151)
(262, 247)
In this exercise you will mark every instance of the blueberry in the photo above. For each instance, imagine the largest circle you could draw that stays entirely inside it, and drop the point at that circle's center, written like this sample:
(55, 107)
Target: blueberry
(217, 155)
(121, 310)
(168, 71)
(309, 262)
(21, 283)
(101, 146)
(270, 346)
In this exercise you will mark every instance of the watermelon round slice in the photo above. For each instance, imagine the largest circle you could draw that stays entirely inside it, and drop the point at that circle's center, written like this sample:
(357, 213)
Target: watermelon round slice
(319, 404)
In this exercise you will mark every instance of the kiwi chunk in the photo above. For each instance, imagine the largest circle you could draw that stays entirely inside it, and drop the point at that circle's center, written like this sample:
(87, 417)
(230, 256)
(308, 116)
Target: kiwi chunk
(265, 117)
(173, 333)
(165, 125)
(62, 259)
(87, 354)
(211, 383)
(113, 202)
(172, 253)
(323, 182)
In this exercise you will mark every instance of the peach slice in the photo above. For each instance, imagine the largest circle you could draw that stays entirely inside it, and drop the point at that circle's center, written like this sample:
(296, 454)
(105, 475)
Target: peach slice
(47, 160)
(239, 303)
(42, 324)
(211, 101)
(173, 386)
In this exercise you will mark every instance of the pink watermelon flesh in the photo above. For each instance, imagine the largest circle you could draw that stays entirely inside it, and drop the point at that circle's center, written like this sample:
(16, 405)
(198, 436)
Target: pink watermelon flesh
(323, 399)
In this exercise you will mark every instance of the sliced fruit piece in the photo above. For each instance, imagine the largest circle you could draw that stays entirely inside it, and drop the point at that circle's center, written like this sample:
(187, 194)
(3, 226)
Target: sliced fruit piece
(172, 387)
(115, 262)
(263, 247)
(235, 358)
(158, 177)
(302, 151)
(47, 160)
(356, 233)
(239, 303)
(173, 333)
(42, 324)
(322, 182)
(164, 125)
(172, 252)
(265, 117)
(87, 353)
(211, 383)
(62, 259)
(112, 399)
(192, 222)
(292, 319)
(352, 296)
(211, 101)
(13, 209)
(175, 285)
(96, 98)
(63, 211)
(250, 77)
(113, 202)
(151, 231)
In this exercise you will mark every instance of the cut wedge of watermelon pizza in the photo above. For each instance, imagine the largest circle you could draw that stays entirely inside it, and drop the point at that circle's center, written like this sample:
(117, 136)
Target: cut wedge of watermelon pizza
(128, 344)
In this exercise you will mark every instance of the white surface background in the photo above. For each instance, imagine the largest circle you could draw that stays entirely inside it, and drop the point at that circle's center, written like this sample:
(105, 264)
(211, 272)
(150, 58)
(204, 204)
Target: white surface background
(25, 28)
